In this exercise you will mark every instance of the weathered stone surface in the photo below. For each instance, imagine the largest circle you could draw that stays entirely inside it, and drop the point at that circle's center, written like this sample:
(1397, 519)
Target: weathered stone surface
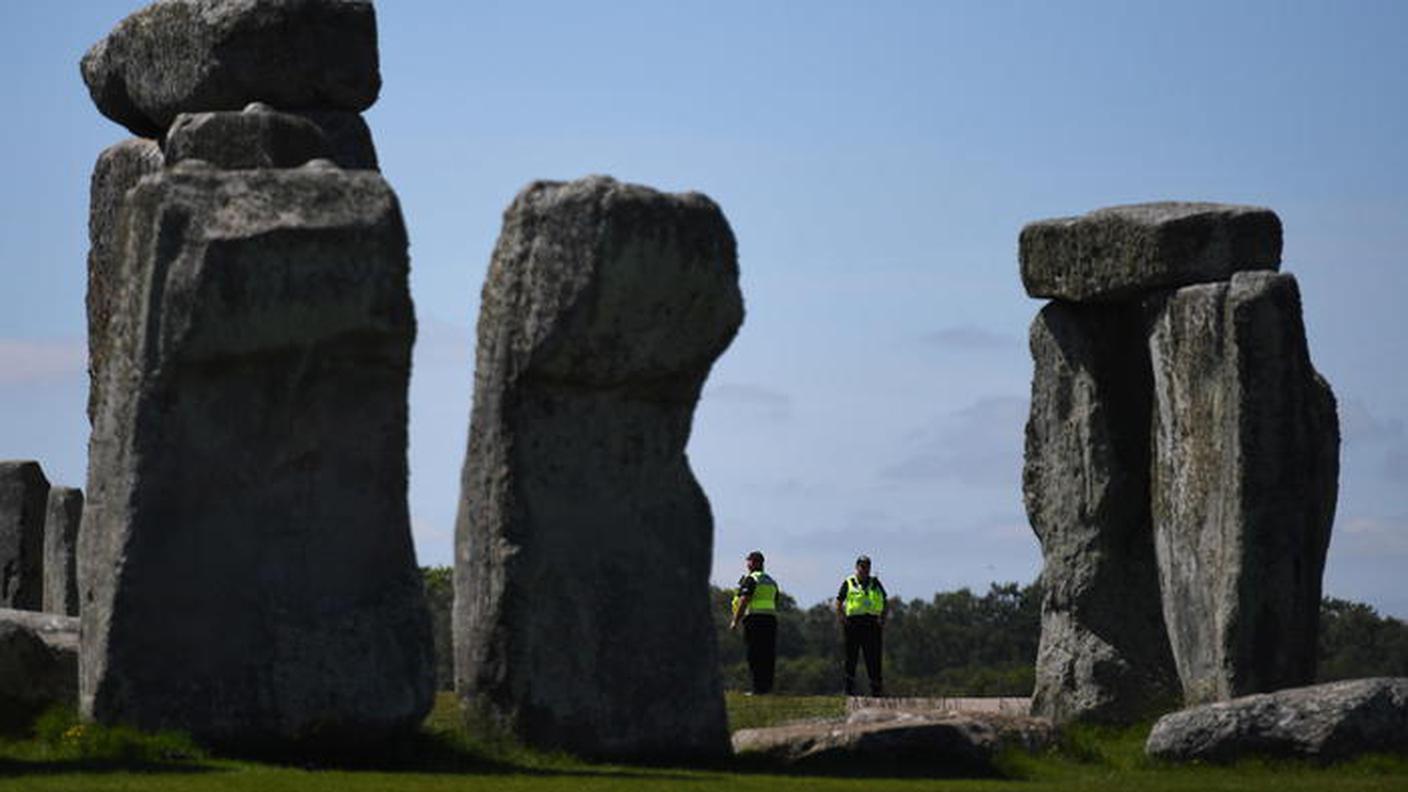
(255, 137)
(1245, 476)
(349, 137)
(118, 170)
(1118, 252)
(24, 495)
(38, 666)
(604, 308)
(1103, 654)
(246, 567)
(188, 56)
(61, 521)
(1328, 722)
(943, 743)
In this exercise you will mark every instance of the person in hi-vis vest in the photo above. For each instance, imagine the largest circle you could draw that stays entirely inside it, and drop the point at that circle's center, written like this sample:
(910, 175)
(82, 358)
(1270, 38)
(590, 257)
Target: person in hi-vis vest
(860, 607)
(755, 606)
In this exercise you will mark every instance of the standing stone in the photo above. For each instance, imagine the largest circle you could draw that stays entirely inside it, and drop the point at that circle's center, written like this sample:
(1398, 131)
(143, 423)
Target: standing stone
(246, 566)
(1103, 654)
(1124, 251)
(584, 542)
(38, 667)
(61, 523)
(186, 56)
(118, 170)
(1245, 476)
(24, 495)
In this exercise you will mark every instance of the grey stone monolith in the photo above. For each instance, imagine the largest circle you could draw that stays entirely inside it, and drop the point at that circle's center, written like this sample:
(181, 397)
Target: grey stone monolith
(1245, 476)
(246, 568)
(24, 496)
(1121, 252)
(188, 56)
(1330, 722)
(1103, 654)
(584, 542)
(38, 667)
(61, 523)
(256, 137)
(117, 170)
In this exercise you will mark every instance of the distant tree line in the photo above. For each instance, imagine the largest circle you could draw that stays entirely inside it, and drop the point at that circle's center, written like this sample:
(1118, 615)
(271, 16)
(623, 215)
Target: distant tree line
(958, 643)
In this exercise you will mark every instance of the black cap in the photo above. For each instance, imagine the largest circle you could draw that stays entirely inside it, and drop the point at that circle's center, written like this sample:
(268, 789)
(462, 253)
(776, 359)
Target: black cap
(865, 559)
(756, 554)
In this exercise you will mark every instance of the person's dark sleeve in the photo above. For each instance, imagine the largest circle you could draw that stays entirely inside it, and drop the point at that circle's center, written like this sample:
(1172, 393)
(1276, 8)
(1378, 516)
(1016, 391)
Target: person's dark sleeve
(841, 595)
(746, 586)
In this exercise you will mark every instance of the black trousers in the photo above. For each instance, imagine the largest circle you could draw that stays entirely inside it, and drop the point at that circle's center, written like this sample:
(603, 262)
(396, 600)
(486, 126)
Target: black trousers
(863, 636)
(760, 634)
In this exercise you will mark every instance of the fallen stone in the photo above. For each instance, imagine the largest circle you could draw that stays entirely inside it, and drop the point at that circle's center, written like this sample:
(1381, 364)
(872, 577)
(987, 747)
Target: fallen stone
(38, 666)
(878, 740)
(61, 521)
(1117, 253)
(24, 496)
(190, 56)
(1103, 654)
(253, 138)
(1329, 722)
(118, 170)
(250, 461)
(1245, 476)
(1002, 705)
(604, 307)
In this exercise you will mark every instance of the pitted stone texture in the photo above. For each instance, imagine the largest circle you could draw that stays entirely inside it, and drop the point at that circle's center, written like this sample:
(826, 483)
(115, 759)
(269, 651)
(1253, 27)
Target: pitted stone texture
(64, 514)
(245, 140)
(38, 666)
(245, 560)
(1245, 476)
(879, 740)
(189, 56)
(1327, 722)
(118, 170)
(24, 496)
(349, 137)
(1122, 251)
(1103, 655)
(604, 308)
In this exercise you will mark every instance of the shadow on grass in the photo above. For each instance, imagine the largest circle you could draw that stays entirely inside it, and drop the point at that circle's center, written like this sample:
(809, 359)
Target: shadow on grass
(12, 768)
(449, 753)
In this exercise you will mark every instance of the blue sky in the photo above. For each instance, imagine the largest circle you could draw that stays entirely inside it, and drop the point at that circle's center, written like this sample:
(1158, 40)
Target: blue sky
(876, 162)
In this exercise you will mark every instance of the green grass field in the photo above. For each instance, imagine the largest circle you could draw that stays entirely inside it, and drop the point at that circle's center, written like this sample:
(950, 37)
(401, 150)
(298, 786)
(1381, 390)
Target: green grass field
(445, 757)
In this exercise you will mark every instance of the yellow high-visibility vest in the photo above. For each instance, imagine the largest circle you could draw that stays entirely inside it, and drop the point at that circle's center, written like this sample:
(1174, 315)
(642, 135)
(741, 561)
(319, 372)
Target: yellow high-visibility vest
(764, 598)
(861, 601)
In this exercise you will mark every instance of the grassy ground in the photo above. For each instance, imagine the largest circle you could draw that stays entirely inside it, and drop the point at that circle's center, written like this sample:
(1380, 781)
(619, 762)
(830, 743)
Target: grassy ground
(445, 757)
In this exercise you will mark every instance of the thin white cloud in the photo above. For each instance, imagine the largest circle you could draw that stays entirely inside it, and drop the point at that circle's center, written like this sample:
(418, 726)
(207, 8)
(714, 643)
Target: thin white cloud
(966, 338)
(980, 444)
(24, 361)
(752, 399)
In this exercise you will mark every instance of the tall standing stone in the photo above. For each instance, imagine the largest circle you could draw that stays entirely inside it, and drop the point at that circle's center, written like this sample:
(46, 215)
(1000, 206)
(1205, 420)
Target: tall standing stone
(584, 542)
(1103, 654)
(245, 559)
(245, 556)
(24, 495)
(118, 170)
(61, 522)
(1245, 478)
